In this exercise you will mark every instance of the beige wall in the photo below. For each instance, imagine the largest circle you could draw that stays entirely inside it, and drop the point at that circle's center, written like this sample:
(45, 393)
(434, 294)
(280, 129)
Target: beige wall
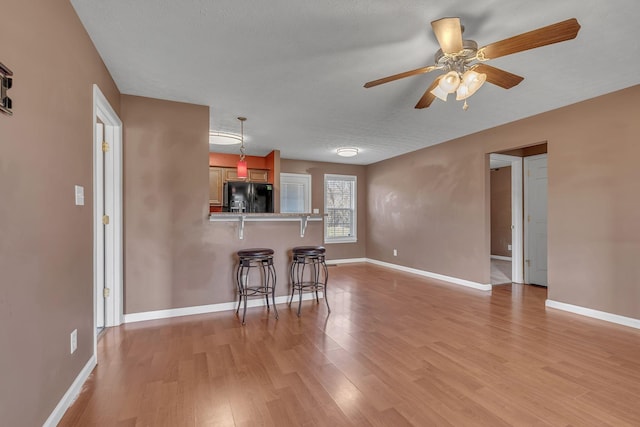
(593, 208)
(46, 242)
(500, 181)
(175, 257)
(317, 170)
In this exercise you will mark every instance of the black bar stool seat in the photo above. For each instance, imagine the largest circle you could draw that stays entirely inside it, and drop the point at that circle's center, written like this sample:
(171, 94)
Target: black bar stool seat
(255, 252)
(262, 259)
(316, 280)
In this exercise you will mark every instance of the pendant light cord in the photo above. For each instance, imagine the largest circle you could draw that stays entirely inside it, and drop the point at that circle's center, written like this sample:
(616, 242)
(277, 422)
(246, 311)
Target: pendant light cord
(242, 152)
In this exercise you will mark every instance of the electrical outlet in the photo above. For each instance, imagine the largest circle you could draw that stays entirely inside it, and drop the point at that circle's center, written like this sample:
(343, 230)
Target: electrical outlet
(395, 252)
(508, 247)
(74, 341)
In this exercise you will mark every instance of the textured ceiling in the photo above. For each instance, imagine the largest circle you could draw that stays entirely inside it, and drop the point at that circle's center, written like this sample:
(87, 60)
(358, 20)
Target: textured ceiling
(295, 68)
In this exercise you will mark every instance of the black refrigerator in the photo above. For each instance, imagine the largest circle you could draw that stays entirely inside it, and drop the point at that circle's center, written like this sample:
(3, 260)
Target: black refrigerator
(252, 197)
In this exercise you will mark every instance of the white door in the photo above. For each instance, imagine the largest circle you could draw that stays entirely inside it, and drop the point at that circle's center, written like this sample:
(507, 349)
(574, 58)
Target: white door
(107, 202)
(535, 199)
(100, 237)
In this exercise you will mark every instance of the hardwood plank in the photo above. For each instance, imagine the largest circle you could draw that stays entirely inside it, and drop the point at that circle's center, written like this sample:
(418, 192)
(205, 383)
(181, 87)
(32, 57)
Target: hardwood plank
(396, 350)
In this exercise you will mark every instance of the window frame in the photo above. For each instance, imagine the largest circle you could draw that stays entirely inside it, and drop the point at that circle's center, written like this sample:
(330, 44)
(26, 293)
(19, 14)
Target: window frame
(302, 178)
(354, 207)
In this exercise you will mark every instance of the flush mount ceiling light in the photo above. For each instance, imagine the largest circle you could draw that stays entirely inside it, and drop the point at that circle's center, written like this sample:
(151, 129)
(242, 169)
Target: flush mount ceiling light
(224, 138)
(347, 151)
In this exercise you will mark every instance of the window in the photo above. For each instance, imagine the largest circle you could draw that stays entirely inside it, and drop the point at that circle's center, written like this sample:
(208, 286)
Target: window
(340, 206)
(295, 193)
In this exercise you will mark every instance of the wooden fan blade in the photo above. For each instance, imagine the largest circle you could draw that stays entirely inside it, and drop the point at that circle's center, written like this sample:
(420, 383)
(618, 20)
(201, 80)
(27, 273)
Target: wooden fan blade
(428, 97)
(498, 77)
(400, 76)
(554, 33)
(448, 31)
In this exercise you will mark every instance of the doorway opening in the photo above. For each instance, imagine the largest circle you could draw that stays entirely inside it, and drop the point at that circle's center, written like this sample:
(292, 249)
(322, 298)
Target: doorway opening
(511, 202)
(506, 218)
(107, 208)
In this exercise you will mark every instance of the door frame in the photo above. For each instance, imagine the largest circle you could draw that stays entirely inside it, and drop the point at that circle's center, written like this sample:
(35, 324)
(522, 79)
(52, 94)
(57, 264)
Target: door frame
(112, 191)
(526, 209)
(517, 215)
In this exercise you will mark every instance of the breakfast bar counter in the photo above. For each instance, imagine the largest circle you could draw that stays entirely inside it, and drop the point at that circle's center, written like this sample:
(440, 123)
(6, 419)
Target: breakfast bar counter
(242, 217)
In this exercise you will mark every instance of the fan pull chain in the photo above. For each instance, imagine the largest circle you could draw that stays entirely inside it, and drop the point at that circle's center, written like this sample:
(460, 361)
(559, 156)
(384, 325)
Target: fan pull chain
(465, 106)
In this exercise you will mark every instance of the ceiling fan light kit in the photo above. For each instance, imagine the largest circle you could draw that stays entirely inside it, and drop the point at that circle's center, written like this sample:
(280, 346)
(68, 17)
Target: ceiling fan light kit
(463, 62)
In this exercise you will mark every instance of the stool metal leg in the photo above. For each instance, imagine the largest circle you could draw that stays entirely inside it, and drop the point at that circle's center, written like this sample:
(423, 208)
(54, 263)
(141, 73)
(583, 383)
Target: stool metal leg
(316, 277)
(272, 273)
(293, 279)
(244, 278)
(238, 286)
(265, 280)
(324, 286)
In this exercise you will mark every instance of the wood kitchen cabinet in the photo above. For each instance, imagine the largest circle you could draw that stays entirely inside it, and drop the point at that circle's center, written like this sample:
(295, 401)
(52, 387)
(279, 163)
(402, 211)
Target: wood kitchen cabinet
(215, 185)
(231, 174)
(253, 175)
(258, 175)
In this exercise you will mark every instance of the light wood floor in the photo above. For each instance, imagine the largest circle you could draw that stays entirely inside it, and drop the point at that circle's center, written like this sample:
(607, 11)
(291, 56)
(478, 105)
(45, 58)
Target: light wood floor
(396, 350)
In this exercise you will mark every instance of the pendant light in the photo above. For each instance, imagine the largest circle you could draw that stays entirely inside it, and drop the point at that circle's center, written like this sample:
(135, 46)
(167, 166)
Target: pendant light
(242, 163)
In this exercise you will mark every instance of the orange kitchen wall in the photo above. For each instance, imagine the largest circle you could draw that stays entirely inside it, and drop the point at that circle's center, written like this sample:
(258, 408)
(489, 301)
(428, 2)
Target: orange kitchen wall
(231, 161)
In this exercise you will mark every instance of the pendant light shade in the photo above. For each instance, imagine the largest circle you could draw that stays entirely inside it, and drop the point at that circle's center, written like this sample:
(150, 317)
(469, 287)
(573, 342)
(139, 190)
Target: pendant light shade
(241, 170)
(450, 82)
(471, 82)
(462, 92)
(439, 93)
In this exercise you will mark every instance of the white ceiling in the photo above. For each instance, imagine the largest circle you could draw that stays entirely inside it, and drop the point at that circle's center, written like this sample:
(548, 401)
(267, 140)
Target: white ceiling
(295, 68)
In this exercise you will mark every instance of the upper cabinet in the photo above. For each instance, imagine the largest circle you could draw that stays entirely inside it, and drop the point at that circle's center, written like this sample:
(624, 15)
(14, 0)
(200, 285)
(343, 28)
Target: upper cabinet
(258, 175)
(253, 175)
(215, 185)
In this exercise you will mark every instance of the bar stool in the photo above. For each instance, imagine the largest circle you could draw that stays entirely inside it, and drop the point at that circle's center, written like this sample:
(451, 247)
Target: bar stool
(261, 258)
(312, 256)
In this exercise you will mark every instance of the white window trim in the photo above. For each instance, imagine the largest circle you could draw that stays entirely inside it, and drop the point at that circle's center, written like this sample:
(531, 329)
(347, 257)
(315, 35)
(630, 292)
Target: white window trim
(302, 178)
(354, 237)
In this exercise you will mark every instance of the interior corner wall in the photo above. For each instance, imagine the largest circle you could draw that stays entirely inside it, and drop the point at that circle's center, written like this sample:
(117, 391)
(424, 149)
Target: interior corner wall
(46, 241)
(317, 170)
(437, 220)
(166, 153)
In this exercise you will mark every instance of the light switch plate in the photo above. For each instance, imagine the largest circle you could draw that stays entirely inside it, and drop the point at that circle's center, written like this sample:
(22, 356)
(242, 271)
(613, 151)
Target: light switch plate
(79, 192)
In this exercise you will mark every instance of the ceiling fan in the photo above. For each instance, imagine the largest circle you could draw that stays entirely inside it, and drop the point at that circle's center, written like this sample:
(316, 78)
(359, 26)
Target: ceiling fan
(463, 62)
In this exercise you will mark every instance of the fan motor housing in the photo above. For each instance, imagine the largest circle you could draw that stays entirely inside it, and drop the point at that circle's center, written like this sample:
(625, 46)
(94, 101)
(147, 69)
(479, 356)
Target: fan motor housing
(466, 55)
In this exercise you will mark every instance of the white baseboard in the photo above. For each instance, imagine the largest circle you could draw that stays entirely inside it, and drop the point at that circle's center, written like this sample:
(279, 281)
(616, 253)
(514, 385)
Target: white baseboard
(346, 261)
(503, 258)
(431, 275)
(596, 314)
(71, 394)
(210, 308)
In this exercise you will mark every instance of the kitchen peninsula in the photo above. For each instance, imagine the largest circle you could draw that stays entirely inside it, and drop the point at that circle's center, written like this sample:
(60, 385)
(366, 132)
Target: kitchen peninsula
(241, 218)
(281, 232)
